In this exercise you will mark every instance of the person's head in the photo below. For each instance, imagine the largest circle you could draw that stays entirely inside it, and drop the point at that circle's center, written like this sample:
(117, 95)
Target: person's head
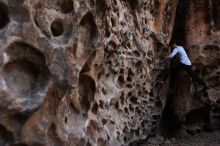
(173, 44)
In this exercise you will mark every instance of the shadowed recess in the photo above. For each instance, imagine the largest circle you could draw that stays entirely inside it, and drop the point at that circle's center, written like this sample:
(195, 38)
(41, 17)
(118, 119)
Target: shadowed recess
(66, 6)
(19, 144)
(133, 4)
(179, 30)
(89, 27)
(57, 27)
(21, 76)
(87, 91)
(54, 136)
(100, 5)
(216, 13)
(6, 137)
(26, 72)
(4, 18)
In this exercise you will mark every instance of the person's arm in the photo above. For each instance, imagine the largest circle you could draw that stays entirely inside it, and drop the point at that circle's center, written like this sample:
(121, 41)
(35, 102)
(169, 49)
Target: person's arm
(175, 51)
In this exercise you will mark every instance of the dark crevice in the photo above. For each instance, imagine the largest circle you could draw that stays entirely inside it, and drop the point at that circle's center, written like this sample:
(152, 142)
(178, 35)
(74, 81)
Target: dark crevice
(87, 91)
(133, 4)
(23, 117)
(6, 137)
(66, 6)
(100, 5)
(53, 136)
(216, 13)
(95, 108)
(179, 30)
(4, 18)
(170, 124)
(89, 26)
(19, 144)
(86, 68)
(198, 115)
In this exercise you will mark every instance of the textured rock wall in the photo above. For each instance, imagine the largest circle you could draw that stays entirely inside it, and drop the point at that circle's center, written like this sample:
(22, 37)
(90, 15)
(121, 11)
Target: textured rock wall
(81, 72)
(207, 44)
(193, 110)
(88, 72)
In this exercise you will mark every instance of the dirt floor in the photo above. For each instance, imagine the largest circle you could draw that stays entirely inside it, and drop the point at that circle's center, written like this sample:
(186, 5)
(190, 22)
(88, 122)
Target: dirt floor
(202, 139)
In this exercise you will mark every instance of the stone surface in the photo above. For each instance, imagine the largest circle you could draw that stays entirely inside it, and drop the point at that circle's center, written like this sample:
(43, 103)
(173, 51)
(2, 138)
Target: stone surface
(91, 72)
(192, 109)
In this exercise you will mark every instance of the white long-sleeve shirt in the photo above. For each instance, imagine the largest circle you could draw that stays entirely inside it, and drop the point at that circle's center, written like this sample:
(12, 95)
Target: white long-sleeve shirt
(179, 50)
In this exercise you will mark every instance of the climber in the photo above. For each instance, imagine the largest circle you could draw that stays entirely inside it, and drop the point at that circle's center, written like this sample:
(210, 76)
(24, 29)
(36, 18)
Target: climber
(184, 63)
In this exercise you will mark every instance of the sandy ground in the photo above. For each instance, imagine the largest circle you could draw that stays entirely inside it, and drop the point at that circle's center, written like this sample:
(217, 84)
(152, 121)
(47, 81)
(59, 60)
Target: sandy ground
(202, 139)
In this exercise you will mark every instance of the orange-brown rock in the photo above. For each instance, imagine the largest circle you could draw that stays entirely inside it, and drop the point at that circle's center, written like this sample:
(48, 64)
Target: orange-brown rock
(91, 72)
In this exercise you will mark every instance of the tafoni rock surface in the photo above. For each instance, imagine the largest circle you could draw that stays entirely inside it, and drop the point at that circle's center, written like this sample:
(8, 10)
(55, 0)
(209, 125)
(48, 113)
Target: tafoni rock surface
(92, 72)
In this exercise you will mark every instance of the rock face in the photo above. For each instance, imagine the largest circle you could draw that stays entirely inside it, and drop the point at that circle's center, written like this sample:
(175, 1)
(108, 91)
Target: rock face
(197, 28)
(91, 72)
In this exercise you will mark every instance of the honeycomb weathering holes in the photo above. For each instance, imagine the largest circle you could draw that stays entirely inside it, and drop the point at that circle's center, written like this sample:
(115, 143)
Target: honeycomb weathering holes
(27, 72)
(57, 28)
(4, 18)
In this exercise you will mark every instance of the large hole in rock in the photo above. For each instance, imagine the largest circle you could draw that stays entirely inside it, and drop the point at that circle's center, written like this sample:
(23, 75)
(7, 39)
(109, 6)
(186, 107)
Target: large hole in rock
(4, 18)
(21, 76)
(57, 27)
(26, 73)
(88, 29)
(87, 91)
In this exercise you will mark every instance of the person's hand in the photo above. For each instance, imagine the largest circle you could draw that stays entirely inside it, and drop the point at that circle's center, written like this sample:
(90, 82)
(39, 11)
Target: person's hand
(166, 46)
(166, 59)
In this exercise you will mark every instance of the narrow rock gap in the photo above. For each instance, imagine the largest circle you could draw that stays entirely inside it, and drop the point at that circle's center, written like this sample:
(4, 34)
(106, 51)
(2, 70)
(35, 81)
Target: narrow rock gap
(4, 18)
(216, 13)
(179, 30)
(169, 124)
(86, 91)
(6, 137)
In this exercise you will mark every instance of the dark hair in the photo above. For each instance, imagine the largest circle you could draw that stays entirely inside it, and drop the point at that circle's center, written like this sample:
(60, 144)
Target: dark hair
(172, 42)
